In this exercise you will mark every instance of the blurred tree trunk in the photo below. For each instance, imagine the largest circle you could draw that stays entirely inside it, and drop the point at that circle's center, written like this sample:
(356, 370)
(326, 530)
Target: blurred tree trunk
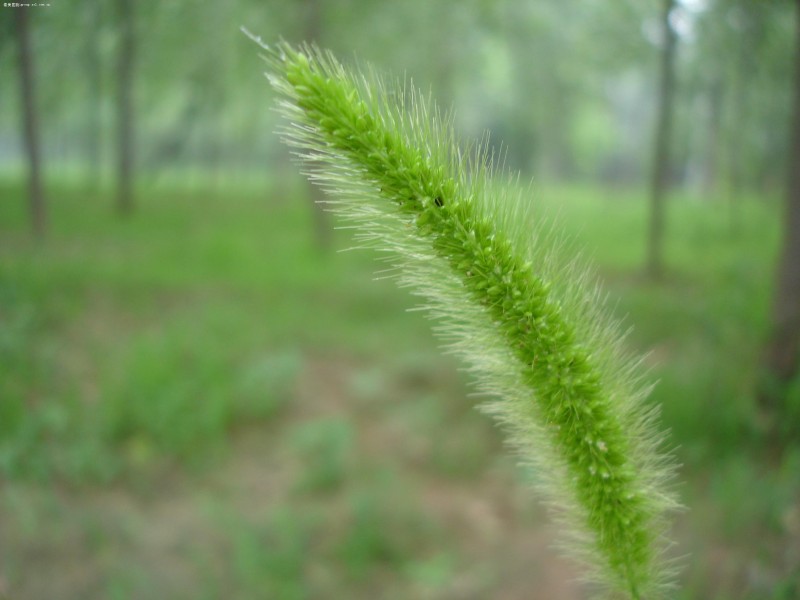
(446, 59)
(220, 62)
(94, 82)
(322, 222)
(783, 348)
(558, 127)
(30, 122)
(125, 140)
(661, 167)
(737, 140)
(711, 170)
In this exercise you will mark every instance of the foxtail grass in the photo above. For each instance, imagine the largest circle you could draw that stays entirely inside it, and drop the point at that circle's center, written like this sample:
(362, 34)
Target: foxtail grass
(532, 327)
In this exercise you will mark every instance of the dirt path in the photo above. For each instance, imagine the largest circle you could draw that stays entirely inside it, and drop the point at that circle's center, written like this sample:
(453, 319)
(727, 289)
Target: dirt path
(170, 533)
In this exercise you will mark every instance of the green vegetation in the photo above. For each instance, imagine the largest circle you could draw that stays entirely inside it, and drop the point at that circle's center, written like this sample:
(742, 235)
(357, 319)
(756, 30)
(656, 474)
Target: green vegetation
(201, 398)
(279, 358)
(530, 325)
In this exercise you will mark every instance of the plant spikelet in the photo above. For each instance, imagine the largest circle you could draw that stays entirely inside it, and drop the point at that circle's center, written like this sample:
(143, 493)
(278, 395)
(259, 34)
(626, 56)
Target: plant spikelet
(532, 328)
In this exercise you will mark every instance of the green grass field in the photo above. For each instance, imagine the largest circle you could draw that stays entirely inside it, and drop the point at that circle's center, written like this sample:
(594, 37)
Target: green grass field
(199, 402)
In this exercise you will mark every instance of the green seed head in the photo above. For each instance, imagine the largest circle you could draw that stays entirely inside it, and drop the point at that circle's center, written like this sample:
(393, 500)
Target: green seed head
(533, 331)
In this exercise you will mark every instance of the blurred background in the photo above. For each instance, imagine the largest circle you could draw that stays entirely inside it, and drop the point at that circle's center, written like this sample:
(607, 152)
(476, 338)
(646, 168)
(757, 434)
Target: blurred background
(201, 397)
